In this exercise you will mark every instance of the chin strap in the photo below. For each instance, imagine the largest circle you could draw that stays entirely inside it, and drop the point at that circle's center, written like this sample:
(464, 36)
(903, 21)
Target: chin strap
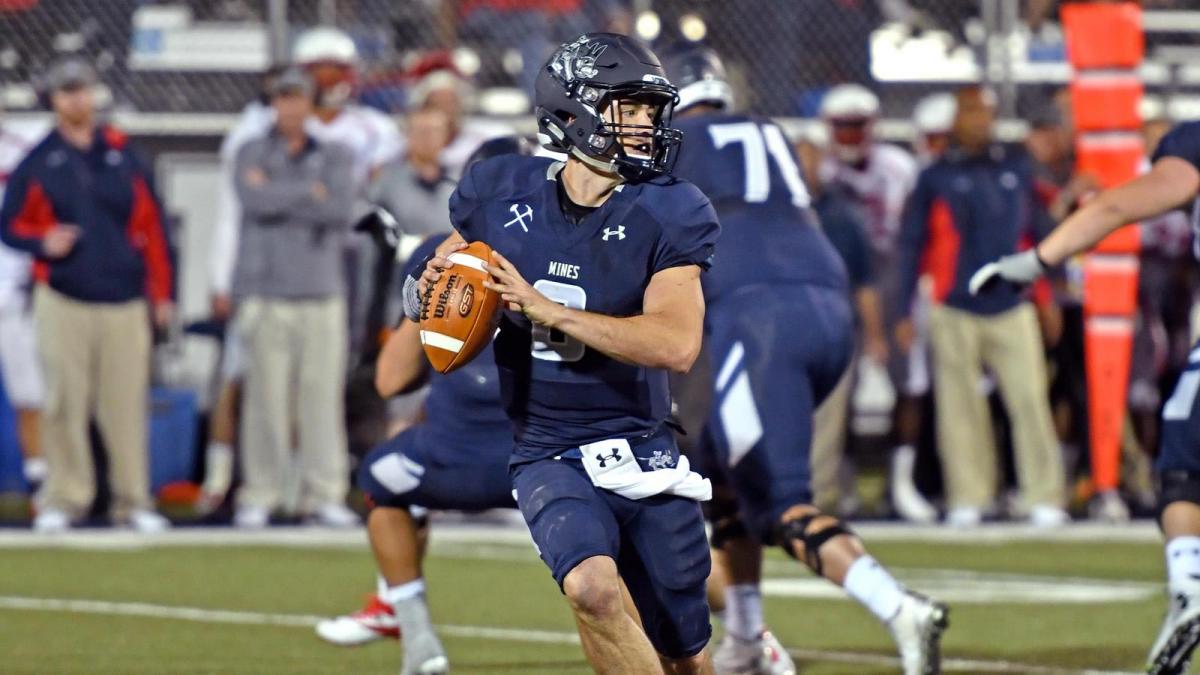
(608, 166)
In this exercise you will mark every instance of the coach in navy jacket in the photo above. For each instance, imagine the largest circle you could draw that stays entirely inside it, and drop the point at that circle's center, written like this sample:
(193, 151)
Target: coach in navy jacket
(82, 203)
(974, 204)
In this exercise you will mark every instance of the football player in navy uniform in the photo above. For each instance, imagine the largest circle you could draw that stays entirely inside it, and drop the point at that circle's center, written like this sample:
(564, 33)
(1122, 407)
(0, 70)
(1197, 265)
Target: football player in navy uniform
(1172, 182)
(780, 331)
(456, 459)
(598, 263)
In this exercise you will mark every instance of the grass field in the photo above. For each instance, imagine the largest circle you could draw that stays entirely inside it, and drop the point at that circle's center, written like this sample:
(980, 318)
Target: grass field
(1021, 606)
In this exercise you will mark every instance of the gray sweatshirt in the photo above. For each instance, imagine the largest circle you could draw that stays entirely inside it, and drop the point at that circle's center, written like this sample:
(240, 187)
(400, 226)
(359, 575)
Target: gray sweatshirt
(421, 208)
(291, 241)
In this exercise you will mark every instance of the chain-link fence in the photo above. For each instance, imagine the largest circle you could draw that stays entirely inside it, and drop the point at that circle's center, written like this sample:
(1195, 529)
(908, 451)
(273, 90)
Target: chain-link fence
(207, 56)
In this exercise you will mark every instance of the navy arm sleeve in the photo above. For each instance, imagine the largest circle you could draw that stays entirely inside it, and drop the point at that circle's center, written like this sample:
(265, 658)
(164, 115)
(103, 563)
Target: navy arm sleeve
(1182, 141)
(844, 227)
(689, 231)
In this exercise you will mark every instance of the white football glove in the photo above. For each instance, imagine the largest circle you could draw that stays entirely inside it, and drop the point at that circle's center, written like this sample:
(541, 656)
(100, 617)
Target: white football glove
(1019, 268)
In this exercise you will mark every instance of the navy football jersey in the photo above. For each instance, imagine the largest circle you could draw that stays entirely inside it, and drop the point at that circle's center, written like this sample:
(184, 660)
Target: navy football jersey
(558, 392)
(1183, 141)
(464, 419)
(746, 167)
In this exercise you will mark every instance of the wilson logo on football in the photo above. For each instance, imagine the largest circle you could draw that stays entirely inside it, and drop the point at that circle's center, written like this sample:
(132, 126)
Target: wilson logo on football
(468, 299)
(443, 298)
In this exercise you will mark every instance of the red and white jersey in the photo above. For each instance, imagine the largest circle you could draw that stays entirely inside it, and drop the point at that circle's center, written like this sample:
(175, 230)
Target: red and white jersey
(16, 140)
(371, 136)
(882, 185)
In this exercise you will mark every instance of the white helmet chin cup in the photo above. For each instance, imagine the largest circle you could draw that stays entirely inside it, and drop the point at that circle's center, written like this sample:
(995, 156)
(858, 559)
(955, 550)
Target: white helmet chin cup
(849, 154)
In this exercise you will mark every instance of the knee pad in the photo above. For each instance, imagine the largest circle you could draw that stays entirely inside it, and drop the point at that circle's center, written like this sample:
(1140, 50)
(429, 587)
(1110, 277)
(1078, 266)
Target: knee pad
(1177, 486)
(798, 530)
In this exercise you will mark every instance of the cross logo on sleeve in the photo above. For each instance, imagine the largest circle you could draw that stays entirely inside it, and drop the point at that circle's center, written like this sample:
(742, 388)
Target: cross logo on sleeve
(520, 217)
(603, 459)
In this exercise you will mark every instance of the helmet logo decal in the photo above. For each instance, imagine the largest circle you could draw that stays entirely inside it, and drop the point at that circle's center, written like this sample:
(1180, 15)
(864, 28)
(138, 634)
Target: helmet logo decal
(577, 59)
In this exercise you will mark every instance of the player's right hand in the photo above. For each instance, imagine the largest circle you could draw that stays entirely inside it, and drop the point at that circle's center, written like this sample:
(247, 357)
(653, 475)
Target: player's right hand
(1020, 268)
(60, 240)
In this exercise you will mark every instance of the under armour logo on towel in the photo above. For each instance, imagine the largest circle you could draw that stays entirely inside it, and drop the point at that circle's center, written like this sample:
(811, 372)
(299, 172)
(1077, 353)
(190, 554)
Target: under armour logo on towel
(519, 216)
(603, 459)
(619, 233)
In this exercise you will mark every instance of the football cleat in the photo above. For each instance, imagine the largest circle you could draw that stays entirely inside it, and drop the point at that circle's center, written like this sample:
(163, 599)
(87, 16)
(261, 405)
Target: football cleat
(775, 659)
(1172, 651)
(917, 629)
(373, 622)
(764, 656)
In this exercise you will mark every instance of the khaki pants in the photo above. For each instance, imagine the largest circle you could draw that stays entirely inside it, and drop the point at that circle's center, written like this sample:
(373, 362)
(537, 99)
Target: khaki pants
(829, 443)
(1010, 345)
(295, 379)
(96, 361)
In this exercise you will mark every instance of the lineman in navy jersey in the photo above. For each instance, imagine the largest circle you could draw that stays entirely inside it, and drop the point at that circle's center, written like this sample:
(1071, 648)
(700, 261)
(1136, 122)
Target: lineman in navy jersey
(598, 261)
(780, 332)
(1172, 182)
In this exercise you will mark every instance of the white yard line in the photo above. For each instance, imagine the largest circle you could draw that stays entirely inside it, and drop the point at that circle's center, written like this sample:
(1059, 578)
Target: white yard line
(510, 532)
(155, 611)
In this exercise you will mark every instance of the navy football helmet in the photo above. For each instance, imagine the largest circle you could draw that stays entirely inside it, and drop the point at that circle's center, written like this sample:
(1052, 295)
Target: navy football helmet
(501, 145)
(699, 74)
(588, 76)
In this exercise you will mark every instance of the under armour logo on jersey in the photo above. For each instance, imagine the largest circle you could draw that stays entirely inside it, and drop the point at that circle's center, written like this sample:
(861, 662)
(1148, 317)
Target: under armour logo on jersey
(619, 233)
(603, 459)
(519, 216)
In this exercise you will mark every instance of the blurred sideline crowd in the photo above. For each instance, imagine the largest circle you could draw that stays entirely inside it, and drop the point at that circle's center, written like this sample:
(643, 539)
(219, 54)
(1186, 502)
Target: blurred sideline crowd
(322, 199)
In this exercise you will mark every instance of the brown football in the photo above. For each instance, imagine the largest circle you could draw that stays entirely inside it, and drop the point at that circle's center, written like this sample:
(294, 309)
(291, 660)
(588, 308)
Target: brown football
(458, 315)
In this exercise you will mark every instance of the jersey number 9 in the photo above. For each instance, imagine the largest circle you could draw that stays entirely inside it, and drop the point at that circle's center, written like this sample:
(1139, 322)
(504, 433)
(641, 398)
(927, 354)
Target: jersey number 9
(554, 345)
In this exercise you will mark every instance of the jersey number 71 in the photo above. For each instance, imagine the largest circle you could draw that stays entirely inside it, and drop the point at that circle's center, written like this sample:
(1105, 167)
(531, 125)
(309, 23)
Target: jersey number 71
(758, 141)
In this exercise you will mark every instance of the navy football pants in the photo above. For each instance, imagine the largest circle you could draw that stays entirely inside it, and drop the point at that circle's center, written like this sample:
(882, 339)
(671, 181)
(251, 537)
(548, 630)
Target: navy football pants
(1180, 449)
(658, 543)
(777, 352)
(404, 471)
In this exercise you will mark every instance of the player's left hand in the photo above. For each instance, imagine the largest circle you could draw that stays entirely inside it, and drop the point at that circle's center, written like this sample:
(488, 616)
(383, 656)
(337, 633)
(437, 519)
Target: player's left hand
(517, 294)
(1020, 268)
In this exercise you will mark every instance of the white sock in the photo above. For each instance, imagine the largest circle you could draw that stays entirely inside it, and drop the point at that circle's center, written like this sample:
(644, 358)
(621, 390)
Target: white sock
(408, 603)
(1183, 564)
(407, 591)
(380, 586)
(218, 467)
(35, 469)
(874, 588)
(743, 611)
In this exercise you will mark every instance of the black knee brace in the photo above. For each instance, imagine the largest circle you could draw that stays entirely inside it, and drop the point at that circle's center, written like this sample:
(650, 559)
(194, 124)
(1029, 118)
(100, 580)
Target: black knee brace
(725, 529)
(796, 529)
(723, 514)
(1177, 486)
